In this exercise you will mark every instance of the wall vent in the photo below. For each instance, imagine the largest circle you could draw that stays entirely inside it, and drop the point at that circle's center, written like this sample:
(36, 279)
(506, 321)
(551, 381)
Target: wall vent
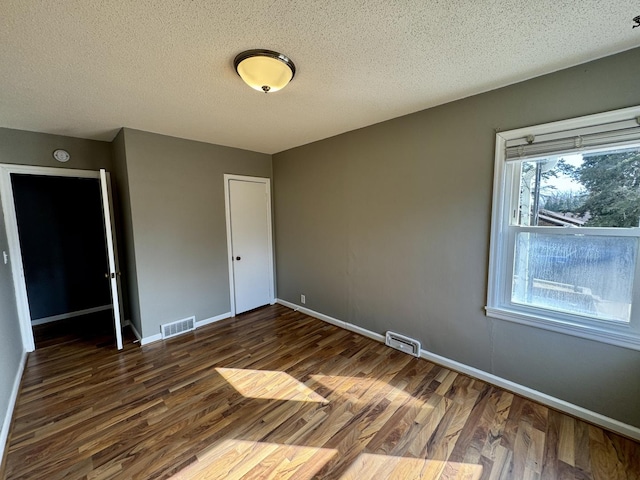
(176, 328)
(402, 343)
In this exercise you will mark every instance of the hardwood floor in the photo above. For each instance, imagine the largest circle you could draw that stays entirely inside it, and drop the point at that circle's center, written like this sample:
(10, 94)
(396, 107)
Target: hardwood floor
(276, 394)
(88, 328)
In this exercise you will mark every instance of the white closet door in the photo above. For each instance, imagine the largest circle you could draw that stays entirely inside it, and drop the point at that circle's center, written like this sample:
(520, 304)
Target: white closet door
(249, 218)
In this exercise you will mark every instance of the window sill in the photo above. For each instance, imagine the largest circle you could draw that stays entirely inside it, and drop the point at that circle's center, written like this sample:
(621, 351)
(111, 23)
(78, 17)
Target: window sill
(611, 336)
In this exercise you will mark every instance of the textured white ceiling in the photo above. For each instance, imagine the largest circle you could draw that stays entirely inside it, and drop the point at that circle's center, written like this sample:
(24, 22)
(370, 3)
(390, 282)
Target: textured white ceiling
(85, 68)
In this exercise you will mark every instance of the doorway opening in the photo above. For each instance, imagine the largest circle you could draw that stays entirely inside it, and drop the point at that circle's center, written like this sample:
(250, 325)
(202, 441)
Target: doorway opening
(63, 257)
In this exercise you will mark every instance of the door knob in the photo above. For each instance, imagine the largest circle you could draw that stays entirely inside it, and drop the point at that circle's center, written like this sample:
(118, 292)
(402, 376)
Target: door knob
(238, 258)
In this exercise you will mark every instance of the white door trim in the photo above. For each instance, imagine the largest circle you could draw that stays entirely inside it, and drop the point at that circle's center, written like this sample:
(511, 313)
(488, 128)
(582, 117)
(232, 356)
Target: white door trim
(13, 240)
(227, 205)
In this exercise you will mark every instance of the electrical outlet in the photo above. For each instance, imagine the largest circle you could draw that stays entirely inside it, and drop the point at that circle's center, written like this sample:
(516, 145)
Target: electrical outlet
(303, 299)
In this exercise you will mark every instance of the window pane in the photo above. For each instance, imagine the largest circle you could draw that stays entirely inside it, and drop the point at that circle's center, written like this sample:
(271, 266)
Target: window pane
(585, 275)
(591, 189)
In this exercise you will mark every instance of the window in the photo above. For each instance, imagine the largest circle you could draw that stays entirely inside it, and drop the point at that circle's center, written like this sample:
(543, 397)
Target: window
(565, 233)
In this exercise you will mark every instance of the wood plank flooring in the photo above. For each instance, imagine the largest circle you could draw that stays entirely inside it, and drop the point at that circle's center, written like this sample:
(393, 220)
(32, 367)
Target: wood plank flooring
(274, 394)
(85, 328)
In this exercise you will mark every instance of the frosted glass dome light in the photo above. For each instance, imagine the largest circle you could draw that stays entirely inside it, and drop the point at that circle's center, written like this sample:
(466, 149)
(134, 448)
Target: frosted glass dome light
(264, 70)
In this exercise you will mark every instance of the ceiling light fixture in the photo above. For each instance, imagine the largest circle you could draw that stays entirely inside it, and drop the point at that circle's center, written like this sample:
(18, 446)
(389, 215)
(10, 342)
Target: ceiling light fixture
(264, 70)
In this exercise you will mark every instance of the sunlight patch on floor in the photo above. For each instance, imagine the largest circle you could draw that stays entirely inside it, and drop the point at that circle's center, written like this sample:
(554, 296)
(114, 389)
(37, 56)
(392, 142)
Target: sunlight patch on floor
(267, 384)
(241, 459)
(236, 459)
(357, 390)
(368, 466)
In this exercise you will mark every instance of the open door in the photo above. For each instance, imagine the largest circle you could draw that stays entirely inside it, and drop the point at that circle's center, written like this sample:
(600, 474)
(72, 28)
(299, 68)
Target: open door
(112, 253)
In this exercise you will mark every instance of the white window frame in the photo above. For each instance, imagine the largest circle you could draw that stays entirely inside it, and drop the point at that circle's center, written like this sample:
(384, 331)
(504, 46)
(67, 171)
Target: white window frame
(503, 233)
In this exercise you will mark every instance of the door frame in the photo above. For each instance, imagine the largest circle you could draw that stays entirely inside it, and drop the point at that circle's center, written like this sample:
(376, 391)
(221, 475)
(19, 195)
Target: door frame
(227, 205)
(13, 239)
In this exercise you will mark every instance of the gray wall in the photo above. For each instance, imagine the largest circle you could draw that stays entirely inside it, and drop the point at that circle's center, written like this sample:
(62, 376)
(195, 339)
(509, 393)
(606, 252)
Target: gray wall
(30, 148)
(124, 228)
(10, 337)
(176, 196)
(387, 227)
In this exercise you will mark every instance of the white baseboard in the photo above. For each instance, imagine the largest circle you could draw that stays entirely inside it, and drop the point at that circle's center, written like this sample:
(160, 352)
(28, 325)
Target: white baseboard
(6, 424)
(150, 339)
(540, 397)
(333, 321)
(548, 400)
(64, 316)
(141, 339)
(158, 337)
(128, 323)
(217, 318)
